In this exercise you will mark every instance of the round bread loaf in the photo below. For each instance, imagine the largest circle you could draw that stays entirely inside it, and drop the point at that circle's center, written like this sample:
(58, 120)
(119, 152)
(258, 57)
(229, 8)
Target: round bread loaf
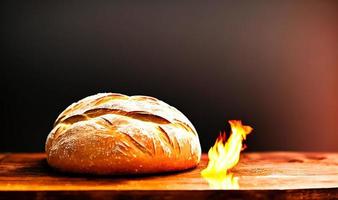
(111, 133)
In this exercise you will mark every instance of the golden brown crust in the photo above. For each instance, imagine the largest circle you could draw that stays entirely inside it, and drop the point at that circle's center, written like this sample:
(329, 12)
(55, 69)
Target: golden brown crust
(111, 133)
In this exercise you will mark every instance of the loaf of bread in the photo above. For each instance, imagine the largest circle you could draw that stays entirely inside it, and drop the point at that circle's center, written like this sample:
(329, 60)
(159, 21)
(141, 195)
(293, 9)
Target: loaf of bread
(115, 134)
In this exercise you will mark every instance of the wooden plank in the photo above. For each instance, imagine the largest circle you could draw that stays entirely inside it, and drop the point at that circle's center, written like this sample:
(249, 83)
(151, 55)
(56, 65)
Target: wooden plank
(317, 194)
(311, 174)
(2, 156)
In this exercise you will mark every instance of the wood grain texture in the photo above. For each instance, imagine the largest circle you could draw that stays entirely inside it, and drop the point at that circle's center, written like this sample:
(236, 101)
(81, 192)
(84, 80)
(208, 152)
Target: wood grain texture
(269, 175)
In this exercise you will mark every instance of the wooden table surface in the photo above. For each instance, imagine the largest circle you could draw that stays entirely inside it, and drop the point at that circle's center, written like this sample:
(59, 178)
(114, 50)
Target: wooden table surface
(267, 175)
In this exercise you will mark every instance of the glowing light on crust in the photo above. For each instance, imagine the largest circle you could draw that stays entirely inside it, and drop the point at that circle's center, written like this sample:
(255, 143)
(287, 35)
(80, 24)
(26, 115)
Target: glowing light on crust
(224, 155)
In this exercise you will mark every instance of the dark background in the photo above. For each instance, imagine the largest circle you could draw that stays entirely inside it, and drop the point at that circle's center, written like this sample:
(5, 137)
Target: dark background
(272, 65)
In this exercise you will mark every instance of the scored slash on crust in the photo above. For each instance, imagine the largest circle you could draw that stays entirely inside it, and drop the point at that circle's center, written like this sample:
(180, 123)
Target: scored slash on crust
(137, 144)
(97, 112)
(165, 136)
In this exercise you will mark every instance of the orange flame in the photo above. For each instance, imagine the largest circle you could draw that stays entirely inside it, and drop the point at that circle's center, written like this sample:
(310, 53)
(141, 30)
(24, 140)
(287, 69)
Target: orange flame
(224, 155)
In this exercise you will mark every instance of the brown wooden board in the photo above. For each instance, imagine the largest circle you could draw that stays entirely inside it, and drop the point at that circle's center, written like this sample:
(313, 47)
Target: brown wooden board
(268, 175)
